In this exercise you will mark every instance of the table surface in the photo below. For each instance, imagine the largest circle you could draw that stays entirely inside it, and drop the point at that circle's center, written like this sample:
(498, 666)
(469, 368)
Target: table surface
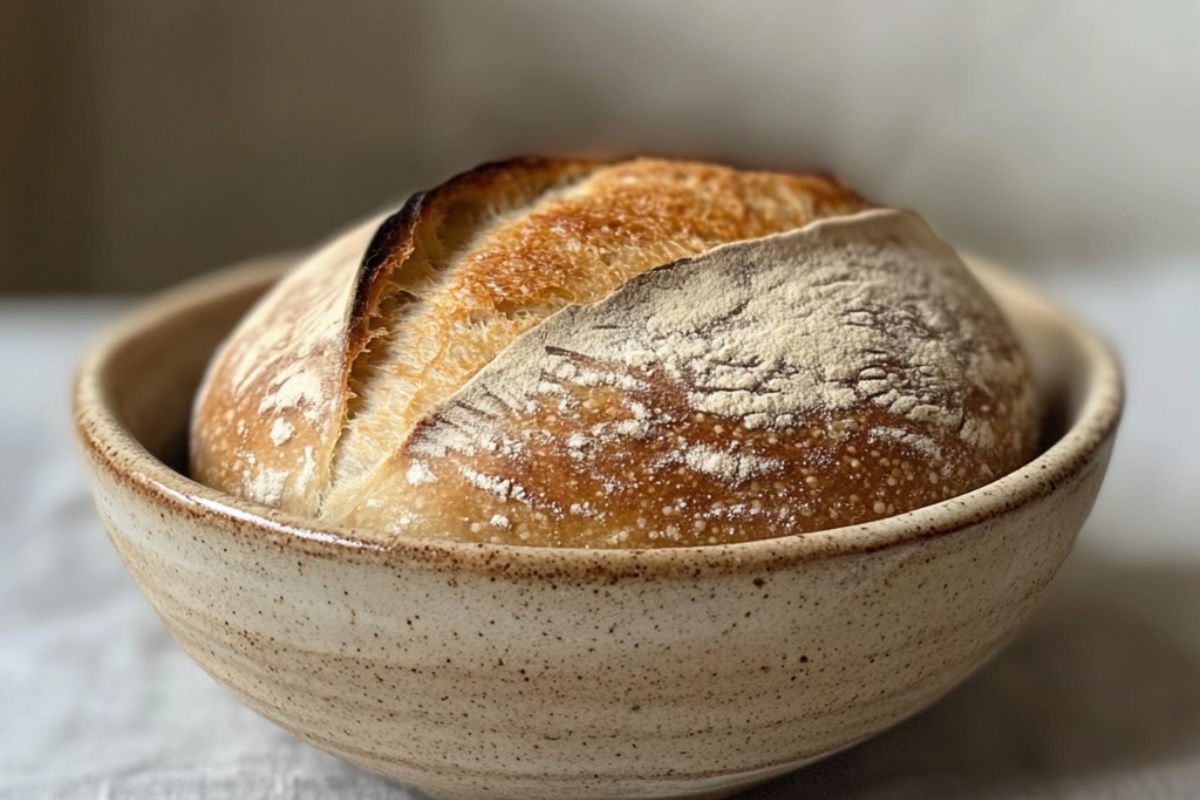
(1098, 697)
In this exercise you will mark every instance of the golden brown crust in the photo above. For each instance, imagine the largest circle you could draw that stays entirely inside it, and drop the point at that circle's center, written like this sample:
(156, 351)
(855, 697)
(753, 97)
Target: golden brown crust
(636, 213)
(384, 339)
(497, 251)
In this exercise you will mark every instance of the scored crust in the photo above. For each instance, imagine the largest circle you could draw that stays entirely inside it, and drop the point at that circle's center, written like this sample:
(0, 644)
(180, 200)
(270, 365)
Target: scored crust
(572, 353)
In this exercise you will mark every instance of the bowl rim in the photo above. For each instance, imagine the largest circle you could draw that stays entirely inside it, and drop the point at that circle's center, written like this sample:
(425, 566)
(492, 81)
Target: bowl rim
(108, 445)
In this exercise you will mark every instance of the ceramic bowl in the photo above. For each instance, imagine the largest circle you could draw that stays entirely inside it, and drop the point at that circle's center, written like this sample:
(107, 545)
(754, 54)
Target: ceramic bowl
(488, 671)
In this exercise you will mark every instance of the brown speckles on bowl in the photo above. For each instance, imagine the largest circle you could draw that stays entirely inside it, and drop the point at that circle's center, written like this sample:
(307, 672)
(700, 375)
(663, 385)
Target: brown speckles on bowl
(478, 671)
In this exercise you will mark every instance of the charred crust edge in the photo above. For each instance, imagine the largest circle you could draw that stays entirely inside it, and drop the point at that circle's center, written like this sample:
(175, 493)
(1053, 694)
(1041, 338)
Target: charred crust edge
(399, 229)
(390, 236)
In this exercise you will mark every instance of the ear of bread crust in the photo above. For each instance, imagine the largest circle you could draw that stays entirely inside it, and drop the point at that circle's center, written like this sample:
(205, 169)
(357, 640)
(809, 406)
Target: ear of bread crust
(827, 376)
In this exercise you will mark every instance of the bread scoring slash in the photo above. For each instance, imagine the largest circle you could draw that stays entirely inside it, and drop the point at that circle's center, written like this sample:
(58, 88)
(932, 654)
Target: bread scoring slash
(639, 354)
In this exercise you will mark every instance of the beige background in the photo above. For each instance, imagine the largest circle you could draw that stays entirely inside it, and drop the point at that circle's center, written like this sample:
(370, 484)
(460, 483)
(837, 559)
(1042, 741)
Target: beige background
(143, 141)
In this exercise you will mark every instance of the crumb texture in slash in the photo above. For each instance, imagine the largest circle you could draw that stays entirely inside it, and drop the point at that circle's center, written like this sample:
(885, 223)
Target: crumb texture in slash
(412, 307)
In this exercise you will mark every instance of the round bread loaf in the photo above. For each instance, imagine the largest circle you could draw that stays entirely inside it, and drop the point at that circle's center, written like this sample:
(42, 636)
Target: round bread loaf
(639, 354)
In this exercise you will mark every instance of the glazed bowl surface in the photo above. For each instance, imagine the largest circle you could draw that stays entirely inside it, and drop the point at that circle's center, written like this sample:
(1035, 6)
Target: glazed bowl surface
(490, 671)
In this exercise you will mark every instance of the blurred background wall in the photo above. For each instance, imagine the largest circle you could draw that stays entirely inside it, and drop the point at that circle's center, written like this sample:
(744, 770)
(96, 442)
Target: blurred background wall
(144, 141)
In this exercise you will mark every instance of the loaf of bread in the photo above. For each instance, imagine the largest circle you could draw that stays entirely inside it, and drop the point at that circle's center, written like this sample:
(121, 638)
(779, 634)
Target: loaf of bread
(637, 354)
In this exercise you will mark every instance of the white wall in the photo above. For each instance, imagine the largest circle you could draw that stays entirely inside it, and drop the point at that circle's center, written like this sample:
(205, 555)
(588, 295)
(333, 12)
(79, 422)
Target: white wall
(168, 137)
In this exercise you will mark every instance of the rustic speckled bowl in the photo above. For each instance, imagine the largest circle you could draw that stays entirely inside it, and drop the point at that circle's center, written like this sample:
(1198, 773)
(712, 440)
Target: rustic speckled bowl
(485, 671)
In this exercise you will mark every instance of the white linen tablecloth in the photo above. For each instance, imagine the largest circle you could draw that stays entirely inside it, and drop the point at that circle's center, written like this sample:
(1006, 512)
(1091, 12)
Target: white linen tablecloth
(1098, 698)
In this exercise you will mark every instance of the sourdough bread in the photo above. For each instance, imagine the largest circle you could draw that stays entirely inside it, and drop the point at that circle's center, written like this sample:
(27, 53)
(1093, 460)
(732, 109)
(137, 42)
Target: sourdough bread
(640, 354)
